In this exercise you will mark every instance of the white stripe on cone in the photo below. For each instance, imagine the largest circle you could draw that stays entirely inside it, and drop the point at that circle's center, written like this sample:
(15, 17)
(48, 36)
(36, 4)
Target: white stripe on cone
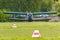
(36, 33)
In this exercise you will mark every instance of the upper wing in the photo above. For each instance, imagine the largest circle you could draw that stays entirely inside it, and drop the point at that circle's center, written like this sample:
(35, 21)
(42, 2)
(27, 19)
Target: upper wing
(38, 13)
(34, 13)
(21, 13)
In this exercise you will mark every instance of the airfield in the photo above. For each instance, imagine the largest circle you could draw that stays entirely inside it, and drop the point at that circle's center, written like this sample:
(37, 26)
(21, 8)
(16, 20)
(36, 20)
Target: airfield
(24, 30)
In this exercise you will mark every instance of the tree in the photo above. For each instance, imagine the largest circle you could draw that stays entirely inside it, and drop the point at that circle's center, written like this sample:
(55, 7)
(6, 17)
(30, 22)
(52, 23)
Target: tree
(58, 8)
(46, 5)
(26, 5)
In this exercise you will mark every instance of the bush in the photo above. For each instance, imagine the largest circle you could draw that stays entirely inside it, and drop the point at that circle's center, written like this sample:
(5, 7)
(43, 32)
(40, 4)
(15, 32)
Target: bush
(3, 17)
(58, 8)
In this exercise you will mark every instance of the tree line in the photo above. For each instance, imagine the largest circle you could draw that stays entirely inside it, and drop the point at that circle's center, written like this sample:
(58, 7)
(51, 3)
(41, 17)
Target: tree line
(24, 5)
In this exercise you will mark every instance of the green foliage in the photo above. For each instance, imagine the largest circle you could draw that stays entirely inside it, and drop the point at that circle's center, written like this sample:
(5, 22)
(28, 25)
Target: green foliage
(23, 5)
(26, 5)
(3, 17)
(46, 5)
(58, 8)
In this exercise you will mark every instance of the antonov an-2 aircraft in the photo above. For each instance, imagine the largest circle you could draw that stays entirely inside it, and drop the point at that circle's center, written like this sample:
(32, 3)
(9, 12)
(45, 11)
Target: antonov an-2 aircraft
(30, 16)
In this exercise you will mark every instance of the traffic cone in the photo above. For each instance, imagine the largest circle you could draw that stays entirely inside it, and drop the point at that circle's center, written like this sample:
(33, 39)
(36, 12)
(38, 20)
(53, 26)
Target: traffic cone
(14, 26)
(36, 34)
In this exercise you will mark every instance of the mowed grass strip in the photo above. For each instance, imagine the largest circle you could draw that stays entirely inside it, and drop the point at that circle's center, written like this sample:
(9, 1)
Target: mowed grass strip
(24, 30)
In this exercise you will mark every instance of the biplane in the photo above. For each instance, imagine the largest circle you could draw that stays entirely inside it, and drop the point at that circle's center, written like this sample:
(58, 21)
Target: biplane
(30, 16)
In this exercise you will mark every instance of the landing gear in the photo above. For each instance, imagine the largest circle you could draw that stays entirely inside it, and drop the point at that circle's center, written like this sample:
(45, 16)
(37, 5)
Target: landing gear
(30, 19)
(29, 16)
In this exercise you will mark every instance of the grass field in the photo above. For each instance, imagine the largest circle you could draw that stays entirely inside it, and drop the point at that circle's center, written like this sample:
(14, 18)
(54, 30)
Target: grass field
(24, 30)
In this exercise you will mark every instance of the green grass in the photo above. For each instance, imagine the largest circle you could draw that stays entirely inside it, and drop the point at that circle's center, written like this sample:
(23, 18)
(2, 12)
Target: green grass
(24, 30)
